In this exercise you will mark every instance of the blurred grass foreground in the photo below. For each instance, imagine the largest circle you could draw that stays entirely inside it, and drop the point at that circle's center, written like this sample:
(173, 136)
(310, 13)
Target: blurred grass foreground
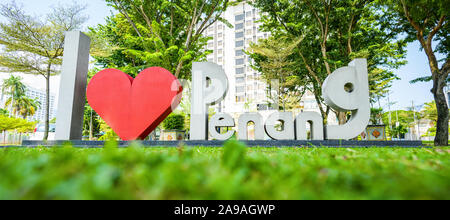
(232, 172)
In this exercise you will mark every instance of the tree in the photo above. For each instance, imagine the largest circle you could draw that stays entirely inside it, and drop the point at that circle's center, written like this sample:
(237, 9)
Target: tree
(8, 124)
(91, 123)
(398, 131)
(4, 112)
(24, 126)
(427, 22)
(23, 106)
(429, 112)
(5, 124)
(334, 33)
(28, 107)
(275, 64)
(35, 45)
(174, 122)
(166, 33)
(400, 120)
(376, 115)
(18, 102)
(14, 87)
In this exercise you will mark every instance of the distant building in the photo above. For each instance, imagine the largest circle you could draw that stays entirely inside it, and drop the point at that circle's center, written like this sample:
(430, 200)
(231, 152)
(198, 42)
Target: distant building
(419, 130)
(40, 96)
(228, 45)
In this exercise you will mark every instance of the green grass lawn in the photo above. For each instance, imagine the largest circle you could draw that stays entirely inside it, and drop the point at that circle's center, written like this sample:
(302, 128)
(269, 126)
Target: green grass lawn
(233, 172)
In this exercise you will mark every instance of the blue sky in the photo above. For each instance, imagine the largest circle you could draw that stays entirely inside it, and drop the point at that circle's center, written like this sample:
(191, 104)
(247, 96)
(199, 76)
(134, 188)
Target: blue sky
(402, 91)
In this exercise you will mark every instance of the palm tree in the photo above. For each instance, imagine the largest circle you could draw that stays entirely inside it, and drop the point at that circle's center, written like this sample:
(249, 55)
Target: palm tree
(14, 87)
(23, 106)
(28, 106)
(19, 103)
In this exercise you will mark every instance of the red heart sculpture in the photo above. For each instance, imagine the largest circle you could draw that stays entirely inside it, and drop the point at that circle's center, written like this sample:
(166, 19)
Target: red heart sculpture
(133, 108)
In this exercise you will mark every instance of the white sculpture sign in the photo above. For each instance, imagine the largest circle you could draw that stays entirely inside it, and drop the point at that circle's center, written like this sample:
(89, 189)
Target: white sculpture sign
(346, 89)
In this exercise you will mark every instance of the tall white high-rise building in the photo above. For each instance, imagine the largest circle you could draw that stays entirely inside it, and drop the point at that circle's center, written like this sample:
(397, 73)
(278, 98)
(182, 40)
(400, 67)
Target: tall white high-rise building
(40, 96)
(246, 92)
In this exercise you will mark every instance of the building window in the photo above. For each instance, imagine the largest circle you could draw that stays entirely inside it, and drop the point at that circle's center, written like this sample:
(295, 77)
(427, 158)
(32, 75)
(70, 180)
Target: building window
(239, 26)
(240, 61)
(210, 45)
(239, 53)
(220, 43)
(240, 17)
(239, 34)
(219, 35)
(248, 14)
(248, 23)
(240, 89)
(248, 32)
(240, 79)
(220, 59)
(219, 51)
(240, 43)
(240, 70)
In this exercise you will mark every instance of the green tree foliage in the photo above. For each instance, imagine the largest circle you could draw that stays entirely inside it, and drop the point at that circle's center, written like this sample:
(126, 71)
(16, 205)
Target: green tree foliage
(15, 124)
(91, 123)
(23, 106)
(35, 45)
(174, 122)
(376, 115)
(334, 33)
(426, 21)
(13, 86)
(278, 65)
(430, 133)
(398, 131)
(108, 133)
(165, 33)
(429, 111)
(401, 120)
(4, 112)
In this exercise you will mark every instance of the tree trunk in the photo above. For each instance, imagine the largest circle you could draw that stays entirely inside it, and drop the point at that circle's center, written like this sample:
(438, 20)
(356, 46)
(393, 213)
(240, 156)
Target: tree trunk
(439, 82)
(342, 117)
(179, 67)
(91, 128)
(47, 105)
